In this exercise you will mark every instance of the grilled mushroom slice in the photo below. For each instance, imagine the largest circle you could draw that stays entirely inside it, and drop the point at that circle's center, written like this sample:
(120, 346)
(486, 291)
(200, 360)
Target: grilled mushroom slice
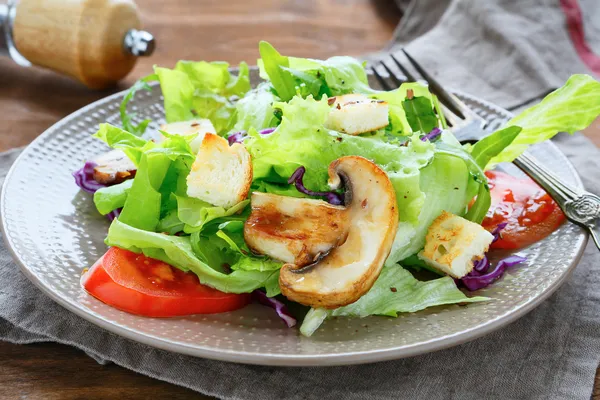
(293, 230)
(113, 167)
(346, 244)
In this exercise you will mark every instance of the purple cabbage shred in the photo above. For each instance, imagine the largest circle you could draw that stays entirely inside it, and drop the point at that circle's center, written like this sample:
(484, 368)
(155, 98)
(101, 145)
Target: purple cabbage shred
(267, 131)
(475, 280)
(479, 277)
(280, 308)
(482, 265)
(496, 232)
(297, 177)
(84, 178)
(114, 214)
(435, 132)
(238, 137)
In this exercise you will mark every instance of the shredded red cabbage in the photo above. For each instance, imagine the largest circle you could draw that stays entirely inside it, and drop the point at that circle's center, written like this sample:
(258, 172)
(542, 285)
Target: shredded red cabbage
(331, 197)
(84, 178)
(482, 265)
(280, 308)
(114, 214)
(497, 230)
(475, 280)
(435, 132)
(238, 137)
(267, 131)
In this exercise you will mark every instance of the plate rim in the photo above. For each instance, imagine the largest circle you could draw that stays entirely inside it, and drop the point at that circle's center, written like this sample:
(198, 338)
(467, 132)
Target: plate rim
(296, 360)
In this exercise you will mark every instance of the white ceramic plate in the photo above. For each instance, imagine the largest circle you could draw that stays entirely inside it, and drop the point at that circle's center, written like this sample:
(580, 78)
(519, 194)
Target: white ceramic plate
(54, 232)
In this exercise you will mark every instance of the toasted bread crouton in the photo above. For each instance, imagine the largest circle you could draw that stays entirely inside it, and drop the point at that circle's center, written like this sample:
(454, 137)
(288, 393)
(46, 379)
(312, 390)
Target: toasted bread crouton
(184, 128)
(113, 167)
(355, 114)
(221, 175)
(453, 243)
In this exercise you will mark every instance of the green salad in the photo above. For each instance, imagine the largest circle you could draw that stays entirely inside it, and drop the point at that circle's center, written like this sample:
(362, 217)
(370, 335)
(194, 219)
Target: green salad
(302, 147)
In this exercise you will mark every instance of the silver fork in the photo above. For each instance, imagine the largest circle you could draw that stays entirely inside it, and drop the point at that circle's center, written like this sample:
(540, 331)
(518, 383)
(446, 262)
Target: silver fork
(579, 206)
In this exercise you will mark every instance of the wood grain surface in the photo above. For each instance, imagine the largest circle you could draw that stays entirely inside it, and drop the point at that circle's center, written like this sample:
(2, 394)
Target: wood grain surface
(33, 99)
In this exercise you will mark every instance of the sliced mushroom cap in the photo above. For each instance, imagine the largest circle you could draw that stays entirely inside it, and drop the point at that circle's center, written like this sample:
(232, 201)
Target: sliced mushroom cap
(369, 222)
(293, 230)
(113, 167)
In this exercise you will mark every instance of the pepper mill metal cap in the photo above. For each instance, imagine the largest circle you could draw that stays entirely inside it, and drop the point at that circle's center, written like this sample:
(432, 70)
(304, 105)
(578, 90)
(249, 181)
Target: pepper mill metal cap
(139, 43)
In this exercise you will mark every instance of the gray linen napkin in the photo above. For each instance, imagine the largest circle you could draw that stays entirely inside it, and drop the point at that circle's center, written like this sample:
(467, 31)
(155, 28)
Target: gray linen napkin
(552, 352)
(504, 51)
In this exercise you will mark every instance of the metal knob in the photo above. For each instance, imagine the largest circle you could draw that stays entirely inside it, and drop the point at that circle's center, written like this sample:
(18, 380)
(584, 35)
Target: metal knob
(139, 43)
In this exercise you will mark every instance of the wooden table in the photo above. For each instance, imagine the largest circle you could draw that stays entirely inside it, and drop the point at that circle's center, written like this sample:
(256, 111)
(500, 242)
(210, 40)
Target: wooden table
(32, 99)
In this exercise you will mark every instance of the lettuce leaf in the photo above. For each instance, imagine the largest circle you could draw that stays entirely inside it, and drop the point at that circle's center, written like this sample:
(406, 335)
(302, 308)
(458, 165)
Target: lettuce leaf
(177, 251)
(170, 223)
(202, 89)
(118, 138)
(195, 213)
(492, 145)
(571, 108)
(255, 109)
(445, 185)
(399, 119)
(395, 291)
(305, 77)
(127, 118)
(420, 115)
(112, 197)
(142, 208)
(161, 172)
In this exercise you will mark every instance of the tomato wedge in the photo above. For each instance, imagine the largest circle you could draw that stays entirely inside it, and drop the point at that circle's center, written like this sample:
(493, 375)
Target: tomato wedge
(144, 286)
(530, 213)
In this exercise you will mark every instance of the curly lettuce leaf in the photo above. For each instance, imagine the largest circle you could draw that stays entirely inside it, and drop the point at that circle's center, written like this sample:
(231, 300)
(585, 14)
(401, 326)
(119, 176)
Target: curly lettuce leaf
(118, 138)
(126, 117)
(177, 251)
(395, 291)
(202, 89)
(292, 76)
(255, 109)
(571, 108)
(215, 107)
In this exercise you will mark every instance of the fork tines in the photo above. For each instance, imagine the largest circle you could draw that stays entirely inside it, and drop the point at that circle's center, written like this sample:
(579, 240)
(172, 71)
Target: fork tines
(446, 98)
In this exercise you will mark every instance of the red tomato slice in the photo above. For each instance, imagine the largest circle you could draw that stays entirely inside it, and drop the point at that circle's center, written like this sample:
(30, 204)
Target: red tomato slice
(530, 213)
(144, 286)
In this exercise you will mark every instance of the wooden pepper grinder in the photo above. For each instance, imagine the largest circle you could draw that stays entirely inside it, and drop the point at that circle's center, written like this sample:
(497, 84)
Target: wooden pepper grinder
(94, 41)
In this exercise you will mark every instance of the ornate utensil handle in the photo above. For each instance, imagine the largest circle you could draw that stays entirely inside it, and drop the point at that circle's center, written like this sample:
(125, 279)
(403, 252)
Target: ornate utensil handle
(585, 210)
